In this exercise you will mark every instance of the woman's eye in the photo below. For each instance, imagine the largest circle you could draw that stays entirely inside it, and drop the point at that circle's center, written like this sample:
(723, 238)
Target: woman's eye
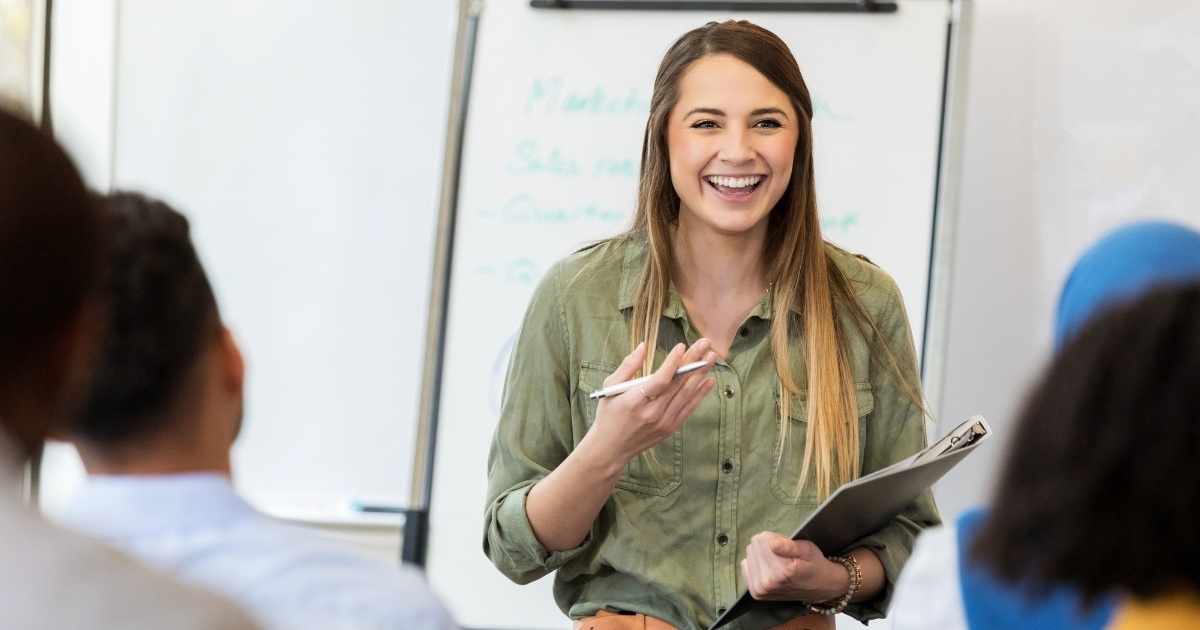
(768, 123)
(704, 124)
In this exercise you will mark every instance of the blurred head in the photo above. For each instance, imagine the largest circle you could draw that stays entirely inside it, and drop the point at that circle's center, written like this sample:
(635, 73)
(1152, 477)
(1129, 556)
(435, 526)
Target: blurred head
(167, 363)
(1101, 488)
(52, 239)
(1123, 265)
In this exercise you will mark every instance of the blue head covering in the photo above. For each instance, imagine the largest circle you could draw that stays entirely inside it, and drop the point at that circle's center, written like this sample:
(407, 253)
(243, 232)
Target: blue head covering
(1122, 266)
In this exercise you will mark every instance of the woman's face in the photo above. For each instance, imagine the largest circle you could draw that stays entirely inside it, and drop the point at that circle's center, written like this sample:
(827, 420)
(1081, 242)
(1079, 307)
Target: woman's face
(731, 140)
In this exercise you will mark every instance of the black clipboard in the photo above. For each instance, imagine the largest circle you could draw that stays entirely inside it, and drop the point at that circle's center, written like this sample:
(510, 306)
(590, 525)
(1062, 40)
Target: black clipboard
(866, 504)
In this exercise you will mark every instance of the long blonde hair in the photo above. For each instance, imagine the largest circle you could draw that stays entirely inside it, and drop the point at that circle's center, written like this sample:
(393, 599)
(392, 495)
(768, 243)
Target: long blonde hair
(802, 275)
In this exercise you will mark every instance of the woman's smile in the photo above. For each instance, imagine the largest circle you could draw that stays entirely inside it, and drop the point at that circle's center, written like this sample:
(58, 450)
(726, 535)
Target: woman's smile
(735, 188)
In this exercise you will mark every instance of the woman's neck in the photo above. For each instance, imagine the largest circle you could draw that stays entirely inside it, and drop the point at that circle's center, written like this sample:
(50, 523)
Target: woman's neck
(718, 264)
(719, 278)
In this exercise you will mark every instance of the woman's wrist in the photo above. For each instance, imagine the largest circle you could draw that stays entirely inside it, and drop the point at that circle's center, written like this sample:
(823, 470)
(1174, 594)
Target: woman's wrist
(851, 576)
(835, 581)
(603, 460)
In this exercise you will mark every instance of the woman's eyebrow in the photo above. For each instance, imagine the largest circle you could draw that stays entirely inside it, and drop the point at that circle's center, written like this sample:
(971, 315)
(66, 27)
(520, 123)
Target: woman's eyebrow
(769, 110)
(716, 112)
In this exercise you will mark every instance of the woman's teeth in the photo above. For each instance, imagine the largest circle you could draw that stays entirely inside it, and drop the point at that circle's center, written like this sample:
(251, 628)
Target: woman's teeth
(735, 182)
(735, 185)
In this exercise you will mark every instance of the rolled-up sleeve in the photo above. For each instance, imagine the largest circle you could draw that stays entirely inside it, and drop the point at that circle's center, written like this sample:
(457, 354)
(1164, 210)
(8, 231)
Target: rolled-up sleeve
(511, 545)
(895, 430)
(534, 435)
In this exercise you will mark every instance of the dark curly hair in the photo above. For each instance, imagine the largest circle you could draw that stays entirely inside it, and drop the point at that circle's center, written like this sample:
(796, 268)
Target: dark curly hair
(1101, 489)
(164, 315)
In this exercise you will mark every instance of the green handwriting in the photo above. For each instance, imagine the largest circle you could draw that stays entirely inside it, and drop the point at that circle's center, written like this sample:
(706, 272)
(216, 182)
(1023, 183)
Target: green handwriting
(617, 167)
(824, 110)
(549, 97)
(525, 209)
(530, 160)
(841, 223)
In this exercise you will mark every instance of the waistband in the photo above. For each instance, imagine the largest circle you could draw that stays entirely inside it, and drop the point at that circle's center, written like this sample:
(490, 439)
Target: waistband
(605, 620)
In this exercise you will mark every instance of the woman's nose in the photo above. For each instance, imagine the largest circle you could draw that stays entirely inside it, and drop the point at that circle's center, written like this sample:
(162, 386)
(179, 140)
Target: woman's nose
(737, 147)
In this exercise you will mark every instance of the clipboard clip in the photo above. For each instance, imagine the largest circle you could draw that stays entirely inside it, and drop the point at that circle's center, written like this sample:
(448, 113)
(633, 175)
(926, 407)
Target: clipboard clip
(962, 436)
(965, 436)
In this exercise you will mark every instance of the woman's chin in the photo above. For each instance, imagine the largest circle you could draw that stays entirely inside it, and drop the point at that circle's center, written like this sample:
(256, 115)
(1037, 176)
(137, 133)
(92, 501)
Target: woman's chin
(728, 224)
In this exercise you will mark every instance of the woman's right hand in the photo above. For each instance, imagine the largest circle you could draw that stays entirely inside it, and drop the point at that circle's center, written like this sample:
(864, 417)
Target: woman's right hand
(562, 506)
(629, 423)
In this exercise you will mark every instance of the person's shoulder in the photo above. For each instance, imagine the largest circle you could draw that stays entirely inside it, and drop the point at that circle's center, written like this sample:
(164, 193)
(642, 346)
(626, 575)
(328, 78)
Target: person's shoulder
(874, 287)
(940, 541)
(598, 259)
(928, 594)
(332, 580)
(57, 578)
(597, 274)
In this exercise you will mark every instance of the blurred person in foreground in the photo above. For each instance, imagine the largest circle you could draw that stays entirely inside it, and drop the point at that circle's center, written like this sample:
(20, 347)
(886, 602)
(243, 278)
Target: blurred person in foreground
(1102, 487)
(945, 587)
(52, 240)
(155, 435)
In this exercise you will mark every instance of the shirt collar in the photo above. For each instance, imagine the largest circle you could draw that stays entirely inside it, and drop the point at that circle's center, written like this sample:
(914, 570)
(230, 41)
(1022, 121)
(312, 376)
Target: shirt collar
(120, 506)
(631, 278)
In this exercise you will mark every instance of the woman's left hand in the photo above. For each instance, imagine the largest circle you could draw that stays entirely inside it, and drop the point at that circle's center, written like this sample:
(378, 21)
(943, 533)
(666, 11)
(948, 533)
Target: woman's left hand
(778, 568)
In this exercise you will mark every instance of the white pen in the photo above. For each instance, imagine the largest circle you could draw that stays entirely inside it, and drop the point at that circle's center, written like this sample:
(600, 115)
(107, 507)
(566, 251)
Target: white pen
(637, 382)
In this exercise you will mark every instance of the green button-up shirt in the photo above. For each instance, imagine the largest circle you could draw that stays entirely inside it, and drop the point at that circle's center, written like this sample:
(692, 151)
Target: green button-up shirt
(669, 540)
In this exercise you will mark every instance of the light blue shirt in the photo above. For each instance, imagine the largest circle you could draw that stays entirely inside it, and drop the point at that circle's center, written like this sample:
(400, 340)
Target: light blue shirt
(195, 527)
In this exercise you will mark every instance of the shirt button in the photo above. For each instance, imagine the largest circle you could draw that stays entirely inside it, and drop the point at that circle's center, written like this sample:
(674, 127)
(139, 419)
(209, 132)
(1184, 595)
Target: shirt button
(727, 466)
(743, 331)
(722, 540)
(728, 392)
(720, 611)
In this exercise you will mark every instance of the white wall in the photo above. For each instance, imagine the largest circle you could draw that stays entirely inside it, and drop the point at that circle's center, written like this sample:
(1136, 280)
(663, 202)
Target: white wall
(82, 85)
(305, 143)
(1081, 115)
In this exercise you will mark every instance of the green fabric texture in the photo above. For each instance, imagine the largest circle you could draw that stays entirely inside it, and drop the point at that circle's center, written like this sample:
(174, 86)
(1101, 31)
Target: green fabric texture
(669, 540)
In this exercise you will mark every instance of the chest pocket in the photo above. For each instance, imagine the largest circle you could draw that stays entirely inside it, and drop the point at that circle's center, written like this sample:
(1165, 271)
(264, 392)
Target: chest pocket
(658, 470)
(789, 453)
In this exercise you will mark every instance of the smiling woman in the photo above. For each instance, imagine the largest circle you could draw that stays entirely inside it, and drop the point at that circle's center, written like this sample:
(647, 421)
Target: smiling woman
(644, 502)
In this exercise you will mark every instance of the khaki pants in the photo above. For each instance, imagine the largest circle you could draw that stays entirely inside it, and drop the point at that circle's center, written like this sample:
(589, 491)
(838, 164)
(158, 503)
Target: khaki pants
(605, 620)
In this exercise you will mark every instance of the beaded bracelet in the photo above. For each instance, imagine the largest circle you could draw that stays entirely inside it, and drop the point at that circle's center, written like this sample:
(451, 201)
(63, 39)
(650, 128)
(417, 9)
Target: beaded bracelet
(835, 606)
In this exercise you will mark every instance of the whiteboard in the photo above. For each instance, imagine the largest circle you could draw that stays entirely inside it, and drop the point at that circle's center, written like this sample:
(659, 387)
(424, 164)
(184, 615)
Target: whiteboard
(557, 109)
(306, 147)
